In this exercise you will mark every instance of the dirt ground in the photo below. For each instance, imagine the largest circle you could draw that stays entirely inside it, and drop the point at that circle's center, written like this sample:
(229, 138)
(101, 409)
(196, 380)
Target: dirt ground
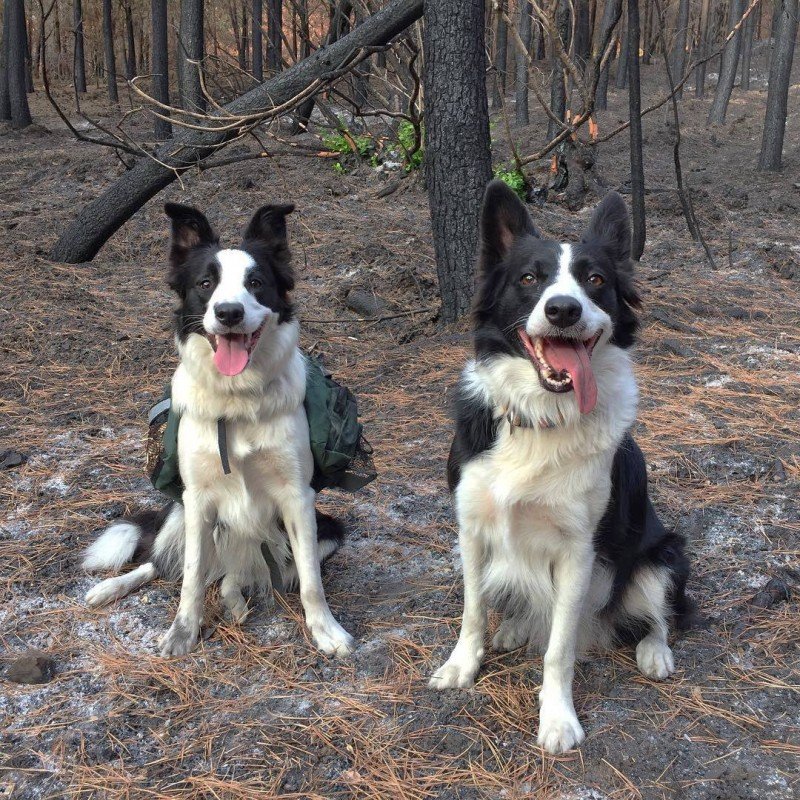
(255, 711)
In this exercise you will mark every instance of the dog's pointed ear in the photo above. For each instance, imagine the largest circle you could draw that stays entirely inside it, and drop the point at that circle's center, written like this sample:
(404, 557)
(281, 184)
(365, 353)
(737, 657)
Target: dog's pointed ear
(610, 227)
(268, 225)
(504, 218)
(190, 229)
(267, 230)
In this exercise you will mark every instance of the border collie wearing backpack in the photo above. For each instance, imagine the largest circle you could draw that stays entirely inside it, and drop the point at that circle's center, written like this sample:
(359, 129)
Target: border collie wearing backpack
(246, 463)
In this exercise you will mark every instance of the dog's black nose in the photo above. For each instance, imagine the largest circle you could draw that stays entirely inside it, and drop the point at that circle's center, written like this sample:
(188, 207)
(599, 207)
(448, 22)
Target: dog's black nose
(562, 310)
(229, 314)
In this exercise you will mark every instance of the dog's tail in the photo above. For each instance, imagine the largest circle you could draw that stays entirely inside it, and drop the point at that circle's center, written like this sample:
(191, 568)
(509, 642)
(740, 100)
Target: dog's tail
(123, 542)
(330, 535)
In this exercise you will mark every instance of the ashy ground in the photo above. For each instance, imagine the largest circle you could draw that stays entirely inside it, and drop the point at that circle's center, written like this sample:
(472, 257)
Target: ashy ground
(255, 712)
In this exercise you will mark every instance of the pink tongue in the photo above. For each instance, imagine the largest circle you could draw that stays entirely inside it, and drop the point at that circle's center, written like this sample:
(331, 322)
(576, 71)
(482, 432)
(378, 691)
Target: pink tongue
(231, 355)
(570, 356)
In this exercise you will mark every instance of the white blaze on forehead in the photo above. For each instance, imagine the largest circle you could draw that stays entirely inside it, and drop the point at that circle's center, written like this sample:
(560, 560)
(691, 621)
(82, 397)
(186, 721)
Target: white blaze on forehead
(593, 317)
(233, 268)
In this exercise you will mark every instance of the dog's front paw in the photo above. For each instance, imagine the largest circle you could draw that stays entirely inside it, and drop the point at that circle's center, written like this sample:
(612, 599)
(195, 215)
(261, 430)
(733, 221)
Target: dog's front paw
(332, 639)
(180, 639)
(654, 659)
(102, 594)
(458, 672)
(559, 729)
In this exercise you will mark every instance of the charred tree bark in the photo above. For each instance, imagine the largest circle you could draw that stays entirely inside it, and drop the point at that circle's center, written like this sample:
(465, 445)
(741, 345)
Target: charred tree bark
(558, 92)
(500, 56)
(99, 220)
(679, 51)
(15, 64)
(130, 54)
(702, 48)
(274, 36)
(108, 50)
(635, 111)
(611, 13)
(521, 63)
(621, 81)
(5, 97)
(160, 64)
(190, 53)
(730, 61)
(778, 91)
(258, 44)
(458, 162)
(583, 33)
(747, 50)
(79, 58)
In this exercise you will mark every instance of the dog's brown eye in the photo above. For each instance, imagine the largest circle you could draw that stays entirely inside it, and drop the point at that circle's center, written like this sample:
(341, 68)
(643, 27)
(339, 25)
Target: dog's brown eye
(596, 280)
(254, 283)
(206, 284)
(527, 279)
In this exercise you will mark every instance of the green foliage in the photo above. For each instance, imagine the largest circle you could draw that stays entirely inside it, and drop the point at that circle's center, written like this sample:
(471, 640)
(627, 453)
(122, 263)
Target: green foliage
(377, 149)
(512, 177)
(405, 138)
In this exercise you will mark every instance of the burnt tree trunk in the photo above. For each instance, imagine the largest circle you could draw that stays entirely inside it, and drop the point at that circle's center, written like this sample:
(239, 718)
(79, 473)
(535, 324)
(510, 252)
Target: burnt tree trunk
(84, 237)
(500, 56)
(190, 53)
(160, 64)
(730, 61)
(258, 44)
(521, 62)
(747, 50)
(779, 77)
(621, 81)
(635, 112)
(16, 69)
(108, 50)
(583, 33)
(458, 162)
(558, 92)
(79, 58)
(679, 51)
(5, 97)
(130, 54)
(274, 36)
(609, 20)
(703, 47)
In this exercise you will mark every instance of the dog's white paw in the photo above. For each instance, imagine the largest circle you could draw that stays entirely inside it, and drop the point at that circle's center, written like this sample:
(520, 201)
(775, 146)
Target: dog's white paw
(180, 639)
(510, 635)
(458, 672)
(559, 729)
(332, 639)
(103, 593)
(654, 659)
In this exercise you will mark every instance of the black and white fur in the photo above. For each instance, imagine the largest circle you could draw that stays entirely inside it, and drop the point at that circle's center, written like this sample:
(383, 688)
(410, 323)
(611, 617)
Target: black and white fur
(218, 531)
(555, 523)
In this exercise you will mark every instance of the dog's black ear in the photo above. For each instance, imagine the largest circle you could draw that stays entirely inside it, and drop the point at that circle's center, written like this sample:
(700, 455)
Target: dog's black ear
(610, 227)
(268, 225)
(504, 218)
(267, 230)
(190, 229)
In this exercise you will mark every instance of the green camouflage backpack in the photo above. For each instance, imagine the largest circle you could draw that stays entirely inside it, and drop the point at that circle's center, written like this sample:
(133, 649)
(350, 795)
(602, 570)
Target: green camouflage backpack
(342, 456)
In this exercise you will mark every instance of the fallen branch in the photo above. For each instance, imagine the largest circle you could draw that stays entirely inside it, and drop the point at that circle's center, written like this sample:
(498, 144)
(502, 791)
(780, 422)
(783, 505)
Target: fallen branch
(99, 220)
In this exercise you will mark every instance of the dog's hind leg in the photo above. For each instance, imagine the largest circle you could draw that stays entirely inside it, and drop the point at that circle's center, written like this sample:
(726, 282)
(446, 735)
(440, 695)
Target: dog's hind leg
(646, 601)
(513, 632)
(114, 588)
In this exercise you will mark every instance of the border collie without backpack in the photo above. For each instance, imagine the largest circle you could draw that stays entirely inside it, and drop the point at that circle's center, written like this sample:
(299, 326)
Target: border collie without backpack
(555, 523)
(237, 339)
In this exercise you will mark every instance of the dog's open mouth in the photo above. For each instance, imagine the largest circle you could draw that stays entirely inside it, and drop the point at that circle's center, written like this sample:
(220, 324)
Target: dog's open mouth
(232, 351)
(564, 365)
